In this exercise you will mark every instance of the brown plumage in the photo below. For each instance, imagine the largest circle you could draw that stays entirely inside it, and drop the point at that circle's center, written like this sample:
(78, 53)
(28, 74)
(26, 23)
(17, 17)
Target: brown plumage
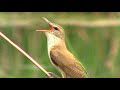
(59, 55)
(67, 62)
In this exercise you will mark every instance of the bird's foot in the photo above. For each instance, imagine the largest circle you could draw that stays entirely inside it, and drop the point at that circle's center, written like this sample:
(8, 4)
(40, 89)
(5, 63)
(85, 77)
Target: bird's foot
(52, 75)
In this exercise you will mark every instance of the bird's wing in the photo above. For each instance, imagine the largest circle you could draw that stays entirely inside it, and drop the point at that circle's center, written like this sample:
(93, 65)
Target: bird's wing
(64, 60)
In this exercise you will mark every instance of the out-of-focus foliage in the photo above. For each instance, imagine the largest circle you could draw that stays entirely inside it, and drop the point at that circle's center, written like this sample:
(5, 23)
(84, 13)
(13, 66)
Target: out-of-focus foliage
(97, 47)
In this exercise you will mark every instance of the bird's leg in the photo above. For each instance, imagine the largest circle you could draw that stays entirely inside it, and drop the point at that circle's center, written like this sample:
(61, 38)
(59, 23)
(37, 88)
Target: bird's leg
(52, 75)
(63, 75)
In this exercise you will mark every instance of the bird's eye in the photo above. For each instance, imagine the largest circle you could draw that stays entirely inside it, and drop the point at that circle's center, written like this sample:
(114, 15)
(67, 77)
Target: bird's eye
(56, 28)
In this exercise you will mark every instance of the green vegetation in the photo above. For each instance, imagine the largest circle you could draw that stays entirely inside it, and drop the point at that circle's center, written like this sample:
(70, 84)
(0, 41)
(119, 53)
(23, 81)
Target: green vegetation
(97, 47)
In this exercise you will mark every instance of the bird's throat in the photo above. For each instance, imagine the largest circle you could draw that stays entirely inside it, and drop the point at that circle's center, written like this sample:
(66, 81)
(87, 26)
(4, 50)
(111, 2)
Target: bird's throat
(53, 41)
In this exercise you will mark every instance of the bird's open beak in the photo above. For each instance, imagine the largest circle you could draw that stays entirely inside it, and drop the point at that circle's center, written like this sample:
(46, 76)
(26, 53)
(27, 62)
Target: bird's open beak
(51, 26)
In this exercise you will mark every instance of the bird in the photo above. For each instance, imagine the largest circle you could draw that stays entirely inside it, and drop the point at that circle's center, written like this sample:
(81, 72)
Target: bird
(60, 57)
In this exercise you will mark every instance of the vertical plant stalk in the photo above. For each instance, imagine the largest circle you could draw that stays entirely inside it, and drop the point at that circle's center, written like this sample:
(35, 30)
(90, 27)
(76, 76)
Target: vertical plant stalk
(113, 52)
(114, 48)
(24, 53)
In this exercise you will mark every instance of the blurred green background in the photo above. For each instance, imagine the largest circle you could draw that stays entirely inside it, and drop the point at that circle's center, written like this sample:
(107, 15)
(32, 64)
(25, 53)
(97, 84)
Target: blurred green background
(93, 37)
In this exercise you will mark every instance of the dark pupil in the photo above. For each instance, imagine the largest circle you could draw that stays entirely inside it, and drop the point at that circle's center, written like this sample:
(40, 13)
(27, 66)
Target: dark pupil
(56, 28)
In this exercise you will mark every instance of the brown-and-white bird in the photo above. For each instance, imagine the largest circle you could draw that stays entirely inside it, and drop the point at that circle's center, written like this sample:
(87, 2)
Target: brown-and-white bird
(59, 55)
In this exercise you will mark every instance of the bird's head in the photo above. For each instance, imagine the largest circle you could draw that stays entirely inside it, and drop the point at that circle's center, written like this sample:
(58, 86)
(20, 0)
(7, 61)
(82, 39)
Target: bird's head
(55, 31)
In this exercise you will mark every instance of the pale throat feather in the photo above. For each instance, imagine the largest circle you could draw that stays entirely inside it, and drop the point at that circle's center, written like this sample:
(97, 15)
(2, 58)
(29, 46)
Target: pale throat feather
(52, 40)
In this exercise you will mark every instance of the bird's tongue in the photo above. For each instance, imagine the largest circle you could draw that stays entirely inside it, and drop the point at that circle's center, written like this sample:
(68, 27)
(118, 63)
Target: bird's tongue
(45, 30)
